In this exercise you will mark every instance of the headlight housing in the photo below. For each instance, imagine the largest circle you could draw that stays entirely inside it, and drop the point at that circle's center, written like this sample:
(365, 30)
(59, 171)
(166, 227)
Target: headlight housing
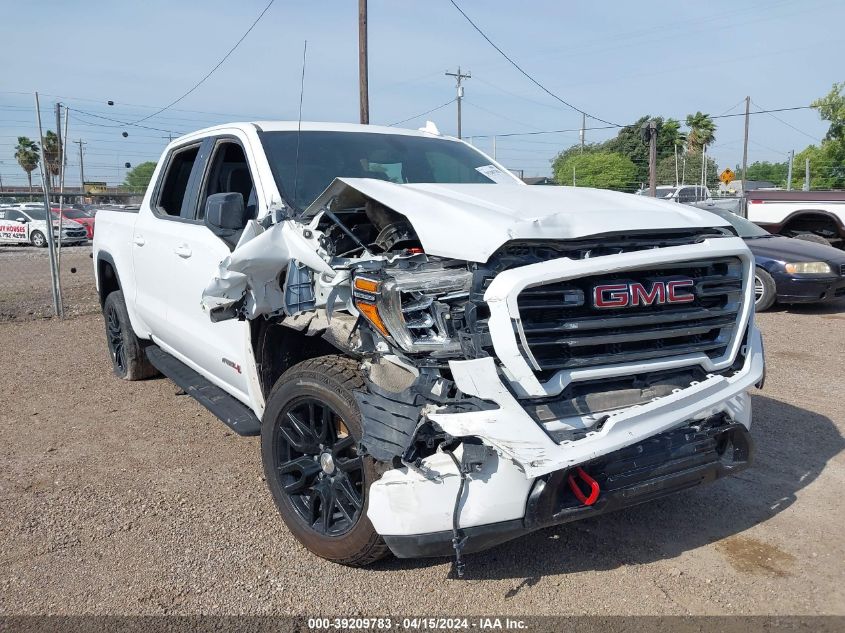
(414, 309)
(808, 268)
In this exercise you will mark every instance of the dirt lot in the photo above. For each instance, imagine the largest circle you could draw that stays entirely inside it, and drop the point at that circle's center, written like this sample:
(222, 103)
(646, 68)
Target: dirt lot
(127, 498)
(25, 282)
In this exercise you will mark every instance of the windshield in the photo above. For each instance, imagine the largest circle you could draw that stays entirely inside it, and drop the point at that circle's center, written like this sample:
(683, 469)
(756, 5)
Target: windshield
(743, 227)
(399, 158)
(659, 192)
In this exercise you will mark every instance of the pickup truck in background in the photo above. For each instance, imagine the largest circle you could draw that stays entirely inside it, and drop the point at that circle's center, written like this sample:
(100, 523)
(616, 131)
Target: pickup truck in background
(817, 216)
(695, 196)
(437, 357)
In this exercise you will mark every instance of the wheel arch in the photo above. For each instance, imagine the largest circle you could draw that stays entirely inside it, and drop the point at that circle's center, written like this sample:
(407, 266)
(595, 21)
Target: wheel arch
(108, 279)
(810, 217)
(277, 348)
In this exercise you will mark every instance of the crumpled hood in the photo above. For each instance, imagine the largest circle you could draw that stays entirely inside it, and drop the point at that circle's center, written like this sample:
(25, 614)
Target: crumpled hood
(471, 222)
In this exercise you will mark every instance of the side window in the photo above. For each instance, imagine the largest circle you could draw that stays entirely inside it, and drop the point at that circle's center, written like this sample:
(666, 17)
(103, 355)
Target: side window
(229, 173)
(175, 183)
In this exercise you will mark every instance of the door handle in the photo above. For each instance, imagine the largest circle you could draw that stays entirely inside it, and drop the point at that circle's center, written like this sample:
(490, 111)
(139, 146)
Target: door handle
(183, 250)
(138, 240)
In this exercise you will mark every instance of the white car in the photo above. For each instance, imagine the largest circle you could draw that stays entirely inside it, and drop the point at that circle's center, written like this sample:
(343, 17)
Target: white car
(27, 224)
(437, 357)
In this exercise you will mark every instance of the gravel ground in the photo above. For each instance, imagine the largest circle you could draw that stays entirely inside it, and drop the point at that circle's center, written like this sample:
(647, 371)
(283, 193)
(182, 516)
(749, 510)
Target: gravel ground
(25, 290)
(127, 498)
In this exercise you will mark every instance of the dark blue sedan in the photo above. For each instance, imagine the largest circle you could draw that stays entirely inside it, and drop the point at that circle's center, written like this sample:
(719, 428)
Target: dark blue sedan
(789, 270)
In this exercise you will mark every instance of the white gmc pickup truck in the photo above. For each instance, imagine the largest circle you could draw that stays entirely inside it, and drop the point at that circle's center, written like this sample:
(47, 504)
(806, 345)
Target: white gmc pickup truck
(437, 358)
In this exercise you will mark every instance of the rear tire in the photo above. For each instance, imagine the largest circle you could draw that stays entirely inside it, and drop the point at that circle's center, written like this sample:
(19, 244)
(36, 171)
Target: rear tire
(812, 237)
(129, 361)
(765, 290)
(309, 437)
(37, 239)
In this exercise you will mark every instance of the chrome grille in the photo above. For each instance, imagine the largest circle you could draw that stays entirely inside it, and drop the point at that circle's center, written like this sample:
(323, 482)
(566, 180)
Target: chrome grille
(554, 334)
(842, 269)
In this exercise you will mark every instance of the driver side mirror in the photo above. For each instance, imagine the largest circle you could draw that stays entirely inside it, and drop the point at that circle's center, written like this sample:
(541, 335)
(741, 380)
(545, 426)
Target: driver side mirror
(22, 219)
(226, 216)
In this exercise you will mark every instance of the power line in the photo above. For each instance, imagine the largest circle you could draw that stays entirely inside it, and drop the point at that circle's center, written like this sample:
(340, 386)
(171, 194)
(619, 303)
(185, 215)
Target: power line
(417, 116)
(769, 112)
(529, 77)
(614, 126)
(122, 123)
(211, 72)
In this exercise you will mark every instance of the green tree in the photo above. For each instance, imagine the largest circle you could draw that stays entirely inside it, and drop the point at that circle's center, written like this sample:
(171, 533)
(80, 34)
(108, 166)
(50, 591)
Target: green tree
(26, 153)
(689, 170)
(764, 170)
(702, 131)
(604, 170)
(831, 108)
(827, 166)
(140, 175)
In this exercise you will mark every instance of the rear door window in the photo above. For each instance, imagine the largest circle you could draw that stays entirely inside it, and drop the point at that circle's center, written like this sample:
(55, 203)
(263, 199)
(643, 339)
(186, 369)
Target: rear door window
(171, 194)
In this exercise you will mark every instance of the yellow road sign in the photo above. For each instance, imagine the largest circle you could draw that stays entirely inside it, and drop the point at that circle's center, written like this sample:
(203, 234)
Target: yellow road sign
(727, 176)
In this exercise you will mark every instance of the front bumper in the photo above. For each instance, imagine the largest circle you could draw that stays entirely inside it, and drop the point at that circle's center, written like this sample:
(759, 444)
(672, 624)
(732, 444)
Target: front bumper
(808, 289)
(412, 508)
(662, 465)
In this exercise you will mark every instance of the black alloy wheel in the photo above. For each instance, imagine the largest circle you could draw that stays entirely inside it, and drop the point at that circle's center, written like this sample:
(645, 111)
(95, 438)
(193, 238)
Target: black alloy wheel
(309, 447)
(319, 467)
(114, 336)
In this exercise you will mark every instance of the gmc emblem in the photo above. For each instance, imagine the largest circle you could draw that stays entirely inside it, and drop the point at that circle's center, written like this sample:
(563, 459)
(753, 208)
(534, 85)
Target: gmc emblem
(635, 294)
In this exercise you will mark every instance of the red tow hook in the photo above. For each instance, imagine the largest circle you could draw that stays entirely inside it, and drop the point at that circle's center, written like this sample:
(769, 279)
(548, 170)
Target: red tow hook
(592, 483)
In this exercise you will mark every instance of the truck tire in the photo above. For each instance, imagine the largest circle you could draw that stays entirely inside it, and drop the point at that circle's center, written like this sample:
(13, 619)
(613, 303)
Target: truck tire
(37, 239)
(765, 290)
(309, 447)
(812, 237)
(129, 361)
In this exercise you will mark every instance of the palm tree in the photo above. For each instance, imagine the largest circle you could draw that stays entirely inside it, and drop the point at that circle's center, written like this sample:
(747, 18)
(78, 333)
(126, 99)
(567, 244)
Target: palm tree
(702, 131)
(51, 155)
(26, 153)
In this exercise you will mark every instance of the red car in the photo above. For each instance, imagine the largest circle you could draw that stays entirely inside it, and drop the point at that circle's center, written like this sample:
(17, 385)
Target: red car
(85, 218)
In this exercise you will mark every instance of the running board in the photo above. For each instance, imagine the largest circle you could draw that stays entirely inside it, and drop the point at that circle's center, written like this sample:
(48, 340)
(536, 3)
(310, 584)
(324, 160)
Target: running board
(231, 411)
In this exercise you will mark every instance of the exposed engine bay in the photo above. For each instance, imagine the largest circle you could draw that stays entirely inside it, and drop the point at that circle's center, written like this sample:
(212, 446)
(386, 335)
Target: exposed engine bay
(501, 364)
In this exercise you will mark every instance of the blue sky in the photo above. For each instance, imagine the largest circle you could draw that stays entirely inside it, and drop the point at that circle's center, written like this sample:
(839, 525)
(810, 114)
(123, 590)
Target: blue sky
(617, 60)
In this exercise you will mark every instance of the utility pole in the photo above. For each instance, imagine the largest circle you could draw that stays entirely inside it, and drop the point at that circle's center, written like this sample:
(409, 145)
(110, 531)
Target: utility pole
(460, 92)
(80, 142)
(677, 181)
(745, 146)
(60, 153)
(807, 175)
(51, 246)
(363, 72)
(789, 170)
(652, 158)
(583, 130)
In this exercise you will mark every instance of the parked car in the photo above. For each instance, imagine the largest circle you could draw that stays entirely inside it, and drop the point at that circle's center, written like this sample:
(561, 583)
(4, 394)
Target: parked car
(85, 218)
(437, 357)
(817, 216)
(790, 270)
(24, 224)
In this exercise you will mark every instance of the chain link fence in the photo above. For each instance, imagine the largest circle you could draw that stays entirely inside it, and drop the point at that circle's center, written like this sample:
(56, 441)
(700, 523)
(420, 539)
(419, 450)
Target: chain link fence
(26, 287)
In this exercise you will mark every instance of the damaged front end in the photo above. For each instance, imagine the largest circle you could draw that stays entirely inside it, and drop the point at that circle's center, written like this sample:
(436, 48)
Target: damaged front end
(499, 397)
